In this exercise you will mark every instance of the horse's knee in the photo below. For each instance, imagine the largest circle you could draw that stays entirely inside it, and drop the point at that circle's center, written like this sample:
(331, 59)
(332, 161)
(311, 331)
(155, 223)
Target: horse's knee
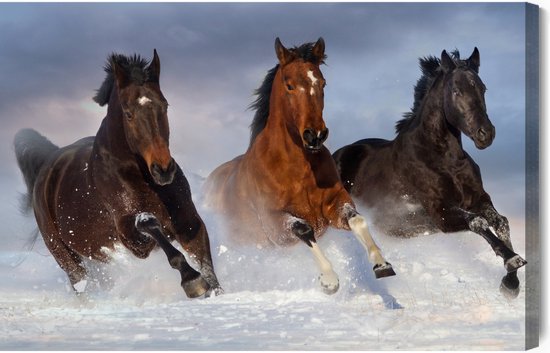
(145, 221)
(478, 224)
(303, 231)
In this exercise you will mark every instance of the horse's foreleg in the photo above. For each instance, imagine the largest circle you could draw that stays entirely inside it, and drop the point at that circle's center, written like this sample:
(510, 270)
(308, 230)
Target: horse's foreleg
(502, 247)
(303, 231)
(194, 239)
(512, 261)
(192, 282)
(499, 225)
(454, 219)
(360, 229)
(457, 219)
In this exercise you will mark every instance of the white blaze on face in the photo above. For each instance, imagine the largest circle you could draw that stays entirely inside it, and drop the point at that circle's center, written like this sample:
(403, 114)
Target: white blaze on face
(314, 80)
(144, 100)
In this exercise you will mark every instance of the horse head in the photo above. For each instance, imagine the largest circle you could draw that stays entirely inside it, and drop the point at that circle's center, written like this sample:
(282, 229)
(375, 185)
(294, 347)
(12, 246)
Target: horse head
(145, 117)
(301, 84)
(464, 99)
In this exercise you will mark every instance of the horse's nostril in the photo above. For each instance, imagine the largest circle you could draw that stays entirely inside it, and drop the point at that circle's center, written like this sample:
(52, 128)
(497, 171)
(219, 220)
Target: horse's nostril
(481, 133)
(171, 166)
(156, 168)
(323, 135)
(309, 135)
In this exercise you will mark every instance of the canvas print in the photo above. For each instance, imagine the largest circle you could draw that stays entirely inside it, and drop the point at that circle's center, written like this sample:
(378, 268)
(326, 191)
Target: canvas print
(269, 176)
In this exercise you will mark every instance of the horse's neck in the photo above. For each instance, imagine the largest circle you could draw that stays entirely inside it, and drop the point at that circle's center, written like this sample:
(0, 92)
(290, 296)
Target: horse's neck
(110, 137)
(286, 138)
(433, 128)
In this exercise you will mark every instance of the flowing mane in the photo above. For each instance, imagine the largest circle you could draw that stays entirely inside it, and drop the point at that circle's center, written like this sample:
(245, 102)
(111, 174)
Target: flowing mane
(263, 93)
(430, 70)
(135, 67)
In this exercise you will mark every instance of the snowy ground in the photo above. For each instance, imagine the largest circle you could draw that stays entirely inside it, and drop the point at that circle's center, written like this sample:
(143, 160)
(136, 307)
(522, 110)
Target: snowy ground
(445, 296)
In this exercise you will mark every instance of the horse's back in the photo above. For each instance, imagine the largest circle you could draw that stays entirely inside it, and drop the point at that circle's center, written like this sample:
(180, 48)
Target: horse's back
(350, 159)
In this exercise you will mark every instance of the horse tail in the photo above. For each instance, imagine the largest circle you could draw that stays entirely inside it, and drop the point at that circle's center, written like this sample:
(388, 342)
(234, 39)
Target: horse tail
(32, 150)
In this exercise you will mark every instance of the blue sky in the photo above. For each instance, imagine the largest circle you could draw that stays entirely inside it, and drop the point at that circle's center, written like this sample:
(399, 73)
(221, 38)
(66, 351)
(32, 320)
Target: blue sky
(213, 56)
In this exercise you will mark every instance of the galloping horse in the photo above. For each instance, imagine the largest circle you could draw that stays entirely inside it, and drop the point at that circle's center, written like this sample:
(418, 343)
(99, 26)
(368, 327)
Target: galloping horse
(285, 188)
(121, 186)
(423, 181)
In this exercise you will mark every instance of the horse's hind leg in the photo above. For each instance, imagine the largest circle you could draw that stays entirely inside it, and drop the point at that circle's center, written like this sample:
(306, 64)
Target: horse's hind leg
(192, 282)
(69, 261)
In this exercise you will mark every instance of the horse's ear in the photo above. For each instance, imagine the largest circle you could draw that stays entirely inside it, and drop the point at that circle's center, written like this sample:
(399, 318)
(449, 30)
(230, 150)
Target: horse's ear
(319, 49)
(154, 67)
(473, 61)
(283, 54)
(121, 77)
(447, 64)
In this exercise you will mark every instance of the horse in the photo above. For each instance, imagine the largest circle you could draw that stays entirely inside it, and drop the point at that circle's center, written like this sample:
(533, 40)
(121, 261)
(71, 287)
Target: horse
(285, 189)
(423, 181)
(120, 187)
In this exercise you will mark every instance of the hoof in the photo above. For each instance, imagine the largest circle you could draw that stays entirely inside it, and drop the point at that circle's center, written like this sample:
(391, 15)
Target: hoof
(329, 283)
(514, 263)
(381, 271)
(195, 287)
(330, 289)
(214, 292)
(509, 286)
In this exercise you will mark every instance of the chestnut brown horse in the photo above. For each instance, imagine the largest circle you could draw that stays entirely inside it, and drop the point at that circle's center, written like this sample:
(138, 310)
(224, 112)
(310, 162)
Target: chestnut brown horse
(423, 181)
(285, 188)
(121, 186)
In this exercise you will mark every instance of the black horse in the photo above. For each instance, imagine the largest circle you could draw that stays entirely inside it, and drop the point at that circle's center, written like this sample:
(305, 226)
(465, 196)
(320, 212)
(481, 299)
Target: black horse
(423, 181)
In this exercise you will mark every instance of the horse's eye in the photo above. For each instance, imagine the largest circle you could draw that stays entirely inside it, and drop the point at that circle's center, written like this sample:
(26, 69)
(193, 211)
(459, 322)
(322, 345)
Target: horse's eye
(128, 115)
(289, 87)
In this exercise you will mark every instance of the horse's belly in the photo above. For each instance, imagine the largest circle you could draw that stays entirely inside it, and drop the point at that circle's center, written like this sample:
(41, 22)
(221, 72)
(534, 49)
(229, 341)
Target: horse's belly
(402, 218)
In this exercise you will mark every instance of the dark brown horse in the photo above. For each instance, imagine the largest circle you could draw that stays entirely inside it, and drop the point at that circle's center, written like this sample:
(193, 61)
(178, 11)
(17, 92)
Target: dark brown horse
(423, 181)
(285, 188)
(121, 186)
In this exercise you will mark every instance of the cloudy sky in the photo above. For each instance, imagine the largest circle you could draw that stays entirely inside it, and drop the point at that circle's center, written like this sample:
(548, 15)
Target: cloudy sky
(213, 56)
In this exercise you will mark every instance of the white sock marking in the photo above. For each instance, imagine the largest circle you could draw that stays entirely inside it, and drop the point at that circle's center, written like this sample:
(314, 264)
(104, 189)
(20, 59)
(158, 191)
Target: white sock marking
(360, 229)
(320, 258)
(328, 278)
(80, 286)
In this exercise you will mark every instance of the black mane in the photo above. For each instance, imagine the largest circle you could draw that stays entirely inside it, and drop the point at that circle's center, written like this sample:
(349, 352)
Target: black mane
(135, 67)
(263, 93)
(430, 70)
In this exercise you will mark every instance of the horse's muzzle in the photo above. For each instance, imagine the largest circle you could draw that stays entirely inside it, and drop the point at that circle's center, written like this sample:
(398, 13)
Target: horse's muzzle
(484, 136)
(163, 176)
(313, 139)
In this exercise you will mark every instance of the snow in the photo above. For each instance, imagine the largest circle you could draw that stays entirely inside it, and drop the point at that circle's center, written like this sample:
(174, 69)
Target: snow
(444, 297)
